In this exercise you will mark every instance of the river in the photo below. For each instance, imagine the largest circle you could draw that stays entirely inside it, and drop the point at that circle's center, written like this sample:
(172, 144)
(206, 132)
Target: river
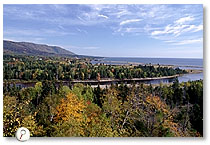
(183, 78)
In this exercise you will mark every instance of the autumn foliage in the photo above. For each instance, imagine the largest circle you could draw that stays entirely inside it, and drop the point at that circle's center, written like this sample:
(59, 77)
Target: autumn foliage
(118, 111)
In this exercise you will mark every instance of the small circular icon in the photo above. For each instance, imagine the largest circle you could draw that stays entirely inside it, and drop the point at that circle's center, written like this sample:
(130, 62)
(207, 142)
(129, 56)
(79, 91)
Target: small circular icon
(22, 134)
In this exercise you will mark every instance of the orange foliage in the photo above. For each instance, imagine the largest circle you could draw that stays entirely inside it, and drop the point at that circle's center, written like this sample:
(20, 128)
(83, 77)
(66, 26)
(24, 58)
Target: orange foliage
(157, 105)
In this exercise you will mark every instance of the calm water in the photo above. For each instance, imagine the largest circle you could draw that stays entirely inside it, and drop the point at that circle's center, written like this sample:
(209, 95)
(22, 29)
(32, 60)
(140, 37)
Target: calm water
(184, 78)
(190, 77)
(162, 61)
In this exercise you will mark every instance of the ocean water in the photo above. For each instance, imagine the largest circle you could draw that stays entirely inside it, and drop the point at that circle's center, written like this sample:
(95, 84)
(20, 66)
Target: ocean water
(161, 61)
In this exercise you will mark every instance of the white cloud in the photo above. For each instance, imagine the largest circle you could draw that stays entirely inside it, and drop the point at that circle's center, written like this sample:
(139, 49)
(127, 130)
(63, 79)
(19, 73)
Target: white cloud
(103, 16)
(184, 42)
(130, 21)
(158, 32)
(198, 28)
(177, 30)
(191, 41)
(174, 29)
(184, 19)
(135, 30)
(123, 12)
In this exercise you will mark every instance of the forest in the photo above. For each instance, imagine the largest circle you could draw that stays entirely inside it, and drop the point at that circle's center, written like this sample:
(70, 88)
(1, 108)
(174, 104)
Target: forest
(66, 69)
(119, 110)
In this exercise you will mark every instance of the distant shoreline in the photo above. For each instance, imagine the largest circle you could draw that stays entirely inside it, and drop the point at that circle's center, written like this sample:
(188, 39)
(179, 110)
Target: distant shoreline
(107, 62)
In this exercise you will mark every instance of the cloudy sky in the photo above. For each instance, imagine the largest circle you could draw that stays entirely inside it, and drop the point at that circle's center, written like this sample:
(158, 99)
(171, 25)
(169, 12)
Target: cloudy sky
(110, 30)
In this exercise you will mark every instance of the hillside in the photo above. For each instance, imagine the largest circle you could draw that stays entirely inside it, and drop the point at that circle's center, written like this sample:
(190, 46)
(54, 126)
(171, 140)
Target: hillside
(27, 48)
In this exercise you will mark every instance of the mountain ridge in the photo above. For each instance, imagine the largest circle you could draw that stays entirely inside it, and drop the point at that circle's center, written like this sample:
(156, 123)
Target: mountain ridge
(30, 48)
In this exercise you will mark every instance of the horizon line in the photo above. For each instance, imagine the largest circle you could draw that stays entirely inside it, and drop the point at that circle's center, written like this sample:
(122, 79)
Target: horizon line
(103, 56)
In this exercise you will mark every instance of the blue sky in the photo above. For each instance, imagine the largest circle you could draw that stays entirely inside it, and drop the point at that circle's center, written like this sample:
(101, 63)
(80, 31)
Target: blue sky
(110, 30)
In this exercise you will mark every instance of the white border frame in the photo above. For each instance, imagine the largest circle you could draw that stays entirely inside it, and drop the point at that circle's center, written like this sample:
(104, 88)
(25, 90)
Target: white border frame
(113, 141)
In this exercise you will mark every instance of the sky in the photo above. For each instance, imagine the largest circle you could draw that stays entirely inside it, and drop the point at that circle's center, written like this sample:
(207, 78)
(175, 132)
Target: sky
(161, 31)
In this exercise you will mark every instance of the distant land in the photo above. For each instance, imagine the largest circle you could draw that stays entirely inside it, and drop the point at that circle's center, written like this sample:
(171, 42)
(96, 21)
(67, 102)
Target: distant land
(28, 48)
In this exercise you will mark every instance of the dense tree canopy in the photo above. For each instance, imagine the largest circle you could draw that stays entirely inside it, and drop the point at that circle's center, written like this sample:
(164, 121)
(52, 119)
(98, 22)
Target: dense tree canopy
(118, 110)
(35, 68)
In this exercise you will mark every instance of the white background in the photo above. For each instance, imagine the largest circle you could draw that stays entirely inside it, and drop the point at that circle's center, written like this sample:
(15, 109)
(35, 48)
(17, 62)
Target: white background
(114, 141)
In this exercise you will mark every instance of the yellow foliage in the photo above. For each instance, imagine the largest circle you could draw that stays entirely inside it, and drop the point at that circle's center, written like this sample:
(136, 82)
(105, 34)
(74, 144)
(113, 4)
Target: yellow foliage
(30, 123)
(10, 118)
(75, 117)
(71, 107)
(14, 118)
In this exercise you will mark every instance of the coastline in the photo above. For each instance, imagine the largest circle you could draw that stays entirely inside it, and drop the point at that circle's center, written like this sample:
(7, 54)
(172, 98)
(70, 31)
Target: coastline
(128, 63)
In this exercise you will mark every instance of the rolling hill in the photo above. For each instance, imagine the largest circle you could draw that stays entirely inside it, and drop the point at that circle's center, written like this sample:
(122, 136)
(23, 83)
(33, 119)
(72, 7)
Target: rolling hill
(28, 48)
